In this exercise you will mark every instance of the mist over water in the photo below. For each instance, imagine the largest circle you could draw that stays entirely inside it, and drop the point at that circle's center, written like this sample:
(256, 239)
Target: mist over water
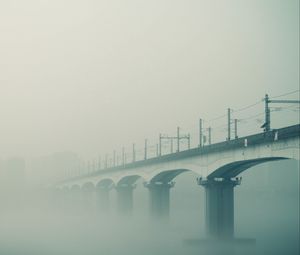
(85, 83)
(266, 209)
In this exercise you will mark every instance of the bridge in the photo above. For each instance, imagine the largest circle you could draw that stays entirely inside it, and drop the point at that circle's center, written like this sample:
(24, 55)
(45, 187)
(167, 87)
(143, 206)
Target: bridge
(218, 166)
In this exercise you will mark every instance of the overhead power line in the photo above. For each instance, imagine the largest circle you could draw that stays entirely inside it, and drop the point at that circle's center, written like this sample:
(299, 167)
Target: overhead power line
(247, 107)
(285, 94)
(229, 126)
(217, 118)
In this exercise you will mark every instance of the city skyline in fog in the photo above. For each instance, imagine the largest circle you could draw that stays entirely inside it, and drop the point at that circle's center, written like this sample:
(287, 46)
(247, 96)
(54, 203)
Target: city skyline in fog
(90, 77)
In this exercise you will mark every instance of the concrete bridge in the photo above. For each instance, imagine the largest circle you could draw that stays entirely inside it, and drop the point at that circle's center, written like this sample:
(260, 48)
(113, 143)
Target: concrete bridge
(218, 165)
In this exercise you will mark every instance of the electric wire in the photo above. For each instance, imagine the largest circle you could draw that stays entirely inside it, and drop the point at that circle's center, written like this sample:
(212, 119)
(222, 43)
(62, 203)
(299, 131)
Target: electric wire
(285, 94)
(221, 129)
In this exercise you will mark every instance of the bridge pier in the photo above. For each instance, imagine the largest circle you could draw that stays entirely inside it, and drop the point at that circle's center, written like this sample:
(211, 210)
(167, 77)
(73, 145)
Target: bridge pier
(219, 210)
(76, 199)
(159, 199)
(102, 198)
(88, 199)
(66, 202)
(125, 198)
(61, 198)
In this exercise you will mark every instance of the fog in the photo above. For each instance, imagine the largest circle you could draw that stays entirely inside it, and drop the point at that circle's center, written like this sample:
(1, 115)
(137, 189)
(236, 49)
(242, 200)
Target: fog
(93, 76)
(80, 81)
(266, 209)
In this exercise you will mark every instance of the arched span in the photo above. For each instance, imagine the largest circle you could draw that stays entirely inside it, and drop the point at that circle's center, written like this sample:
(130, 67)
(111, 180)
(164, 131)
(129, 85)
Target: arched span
(129, 180)
(105, 183)
(167, 176)
(75, 187)
(89, 186)
(65, 189)
(235, 168)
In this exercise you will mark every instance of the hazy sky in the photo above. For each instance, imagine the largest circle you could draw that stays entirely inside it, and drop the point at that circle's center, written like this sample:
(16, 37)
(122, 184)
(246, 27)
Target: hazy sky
(89, 76)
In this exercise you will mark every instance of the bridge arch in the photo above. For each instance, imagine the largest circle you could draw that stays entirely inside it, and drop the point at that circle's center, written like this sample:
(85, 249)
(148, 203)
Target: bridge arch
(65, 189)
(235, 168)
(166, 176)
(105, 183)
(75, 187)
(88, 186)
(129, 180)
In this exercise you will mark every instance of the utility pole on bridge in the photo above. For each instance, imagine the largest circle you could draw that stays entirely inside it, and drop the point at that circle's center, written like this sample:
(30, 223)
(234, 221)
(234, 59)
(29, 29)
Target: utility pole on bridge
(229, 123)
(200, 132)
(171, 138)
(267, 124)
(145, 156)
(133, 152)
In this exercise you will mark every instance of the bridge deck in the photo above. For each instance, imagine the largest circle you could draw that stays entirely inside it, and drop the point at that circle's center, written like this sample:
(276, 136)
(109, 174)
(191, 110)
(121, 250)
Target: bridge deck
(261, 138)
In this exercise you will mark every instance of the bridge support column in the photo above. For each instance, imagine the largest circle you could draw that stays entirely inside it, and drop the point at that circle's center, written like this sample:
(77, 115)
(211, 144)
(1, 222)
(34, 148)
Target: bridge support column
(88, 199)
(102, 198)
(219, 210)
(159, 199)
(76, 199)
(66, 199)
(125, 198)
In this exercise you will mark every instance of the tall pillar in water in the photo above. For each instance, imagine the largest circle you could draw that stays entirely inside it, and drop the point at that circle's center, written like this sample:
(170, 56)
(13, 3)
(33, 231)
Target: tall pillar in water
(66, 199)
(125, 198)
(219, 207)
(88, 198)
(102, 197)
(76, 198)
(159, 199)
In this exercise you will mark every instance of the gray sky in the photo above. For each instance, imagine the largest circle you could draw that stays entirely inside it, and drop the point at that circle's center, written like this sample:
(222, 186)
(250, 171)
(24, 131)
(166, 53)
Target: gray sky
(89, 76)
